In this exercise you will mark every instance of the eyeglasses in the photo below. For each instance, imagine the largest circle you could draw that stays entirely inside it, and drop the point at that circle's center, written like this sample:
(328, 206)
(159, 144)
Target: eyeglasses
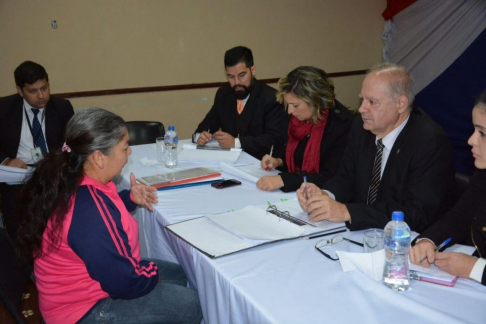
(336, 239)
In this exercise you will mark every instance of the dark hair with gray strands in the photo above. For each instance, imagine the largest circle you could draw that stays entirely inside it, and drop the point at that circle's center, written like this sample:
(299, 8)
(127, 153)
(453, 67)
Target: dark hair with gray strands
(401, 83)
(47, 195)
(480, 102)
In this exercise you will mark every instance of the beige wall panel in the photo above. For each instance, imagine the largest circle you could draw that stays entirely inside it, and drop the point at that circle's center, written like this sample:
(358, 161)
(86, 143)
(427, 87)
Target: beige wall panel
(116, 44)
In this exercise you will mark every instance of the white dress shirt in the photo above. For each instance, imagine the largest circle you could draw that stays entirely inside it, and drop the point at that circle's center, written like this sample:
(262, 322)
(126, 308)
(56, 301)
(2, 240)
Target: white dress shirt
(26, 139)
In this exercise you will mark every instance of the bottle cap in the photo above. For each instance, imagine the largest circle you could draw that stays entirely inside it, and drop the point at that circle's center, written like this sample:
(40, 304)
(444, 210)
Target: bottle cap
(171, 128)
(397, 216)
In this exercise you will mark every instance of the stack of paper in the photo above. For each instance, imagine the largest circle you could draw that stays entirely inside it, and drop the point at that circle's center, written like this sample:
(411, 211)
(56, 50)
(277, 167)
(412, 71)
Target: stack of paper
(178, 178)
(252, 172)
(191, 153)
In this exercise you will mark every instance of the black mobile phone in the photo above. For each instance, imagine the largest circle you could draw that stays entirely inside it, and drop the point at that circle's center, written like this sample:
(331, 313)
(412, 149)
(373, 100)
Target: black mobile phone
(225, 184)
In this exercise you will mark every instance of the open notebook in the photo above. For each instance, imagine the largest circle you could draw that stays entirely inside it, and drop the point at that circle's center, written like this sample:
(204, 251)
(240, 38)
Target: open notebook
(222, 234)
(436, 275)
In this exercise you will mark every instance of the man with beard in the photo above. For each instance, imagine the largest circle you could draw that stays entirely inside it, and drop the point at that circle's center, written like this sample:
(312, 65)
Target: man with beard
(245, 113)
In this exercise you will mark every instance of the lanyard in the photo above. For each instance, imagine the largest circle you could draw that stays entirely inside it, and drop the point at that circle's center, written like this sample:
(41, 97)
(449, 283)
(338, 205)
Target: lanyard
(30, 125)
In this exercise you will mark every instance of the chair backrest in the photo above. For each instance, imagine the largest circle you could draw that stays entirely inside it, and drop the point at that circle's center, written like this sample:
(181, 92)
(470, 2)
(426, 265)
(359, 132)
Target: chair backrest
(13, 277)
(144, 132)
(462, 182)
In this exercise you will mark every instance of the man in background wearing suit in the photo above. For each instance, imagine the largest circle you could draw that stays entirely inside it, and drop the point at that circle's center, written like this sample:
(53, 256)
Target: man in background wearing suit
(31, 124)
(245, 113)
(396, 158)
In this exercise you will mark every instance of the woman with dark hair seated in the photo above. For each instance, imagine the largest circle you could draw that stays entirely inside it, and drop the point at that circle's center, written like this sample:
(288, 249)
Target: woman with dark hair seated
(466, 222)
(317, 131)
(83, 240)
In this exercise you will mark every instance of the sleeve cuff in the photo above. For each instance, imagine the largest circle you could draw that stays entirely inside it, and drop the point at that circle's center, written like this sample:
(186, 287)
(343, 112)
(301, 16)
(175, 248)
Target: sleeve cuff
(426, 239)
(478, 269)
(195, 137)
(237, 143)
(330, 194)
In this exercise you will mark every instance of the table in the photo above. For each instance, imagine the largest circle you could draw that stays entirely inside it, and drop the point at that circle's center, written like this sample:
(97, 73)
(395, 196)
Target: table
(285, 282)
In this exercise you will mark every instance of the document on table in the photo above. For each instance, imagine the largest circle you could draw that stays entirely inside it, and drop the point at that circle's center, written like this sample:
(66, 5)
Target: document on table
(191, 153)
(12, 175)
(252, 172)
(230, 232)
(435, 275)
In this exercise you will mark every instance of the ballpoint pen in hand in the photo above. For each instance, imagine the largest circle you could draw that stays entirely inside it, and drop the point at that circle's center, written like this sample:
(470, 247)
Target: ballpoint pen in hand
(305, 188)
(305, 192)
(269, 159)
(438, 248)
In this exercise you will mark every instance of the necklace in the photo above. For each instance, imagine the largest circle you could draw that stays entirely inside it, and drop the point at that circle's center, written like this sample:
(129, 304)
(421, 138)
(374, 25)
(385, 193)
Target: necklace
(474, 243)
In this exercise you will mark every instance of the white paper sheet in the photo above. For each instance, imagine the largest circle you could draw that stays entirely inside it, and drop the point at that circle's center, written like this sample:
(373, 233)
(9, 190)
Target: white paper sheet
(13, 175)
(256, 224)
(294, 209)
(252, 172)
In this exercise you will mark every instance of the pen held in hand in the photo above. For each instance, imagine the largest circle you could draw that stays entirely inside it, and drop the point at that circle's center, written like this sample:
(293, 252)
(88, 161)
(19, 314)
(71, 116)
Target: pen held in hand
(269, 159)
(438, 248)
(305, 193)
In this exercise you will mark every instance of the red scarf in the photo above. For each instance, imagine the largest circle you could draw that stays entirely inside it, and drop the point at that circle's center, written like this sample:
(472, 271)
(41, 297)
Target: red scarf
(298, 130)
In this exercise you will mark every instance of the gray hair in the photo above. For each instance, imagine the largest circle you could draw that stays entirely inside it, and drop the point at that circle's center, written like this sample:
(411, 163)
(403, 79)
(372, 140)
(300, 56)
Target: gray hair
(401, 83)
(94, 129)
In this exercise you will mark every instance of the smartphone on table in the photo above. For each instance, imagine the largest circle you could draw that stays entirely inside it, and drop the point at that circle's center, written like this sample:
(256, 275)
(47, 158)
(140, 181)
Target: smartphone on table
(225, 184)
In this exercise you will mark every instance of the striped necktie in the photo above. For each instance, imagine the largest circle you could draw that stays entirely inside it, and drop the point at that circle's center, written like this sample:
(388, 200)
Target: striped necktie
(39, 140)
(376, 175)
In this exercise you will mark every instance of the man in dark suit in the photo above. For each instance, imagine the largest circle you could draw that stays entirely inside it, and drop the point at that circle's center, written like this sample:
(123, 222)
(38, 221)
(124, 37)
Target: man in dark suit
(245, 113)
(396, 158)
(31, 124)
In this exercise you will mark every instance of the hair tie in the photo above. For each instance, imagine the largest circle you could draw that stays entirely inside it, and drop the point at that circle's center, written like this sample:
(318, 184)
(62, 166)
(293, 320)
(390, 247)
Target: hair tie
(66, 148)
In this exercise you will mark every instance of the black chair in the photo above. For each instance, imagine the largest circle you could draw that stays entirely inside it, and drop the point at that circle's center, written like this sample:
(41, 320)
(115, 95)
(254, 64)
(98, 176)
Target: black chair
(144, 132)
(462, 182)
(15, 279)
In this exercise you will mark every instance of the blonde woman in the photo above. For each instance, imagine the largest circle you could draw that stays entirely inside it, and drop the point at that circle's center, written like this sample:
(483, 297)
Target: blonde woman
(317, 131)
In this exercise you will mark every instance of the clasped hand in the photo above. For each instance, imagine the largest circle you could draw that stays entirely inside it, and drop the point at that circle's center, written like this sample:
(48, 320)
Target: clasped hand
(457, 264)
(224, 139)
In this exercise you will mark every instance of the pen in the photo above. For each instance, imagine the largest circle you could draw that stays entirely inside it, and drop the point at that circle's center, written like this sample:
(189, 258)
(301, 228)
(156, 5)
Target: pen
(305, 188)
(305, 192)
(325, 234)
(269, 159)
(438, 248)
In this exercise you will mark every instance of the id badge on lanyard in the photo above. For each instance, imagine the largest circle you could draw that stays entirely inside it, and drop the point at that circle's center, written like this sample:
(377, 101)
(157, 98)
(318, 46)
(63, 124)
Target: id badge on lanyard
(35, 152)
(37, 155)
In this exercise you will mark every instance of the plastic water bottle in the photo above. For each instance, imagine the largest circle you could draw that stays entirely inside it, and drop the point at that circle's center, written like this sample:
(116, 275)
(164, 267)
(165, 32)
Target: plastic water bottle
(396, 274)
(171, 140)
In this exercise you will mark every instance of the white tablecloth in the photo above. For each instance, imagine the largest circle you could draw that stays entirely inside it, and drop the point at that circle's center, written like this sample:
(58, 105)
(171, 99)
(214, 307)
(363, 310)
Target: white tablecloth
(285, 282)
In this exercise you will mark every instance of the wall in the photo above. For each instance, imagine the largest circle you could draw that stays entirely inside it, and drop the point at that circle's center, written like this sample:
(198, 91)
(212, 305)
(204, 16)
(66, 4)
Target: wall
(114, 44)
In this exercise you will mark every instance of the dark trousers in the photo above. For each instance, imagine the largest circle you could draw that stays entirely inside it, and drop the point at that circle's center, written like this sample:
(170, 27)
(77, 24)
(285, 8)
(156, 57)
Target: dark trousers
(9, 194)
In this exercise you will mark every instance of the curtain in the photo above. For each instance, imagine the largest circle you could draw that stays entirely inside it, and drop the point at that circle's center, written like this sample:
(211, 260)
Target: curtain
(443, 45)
